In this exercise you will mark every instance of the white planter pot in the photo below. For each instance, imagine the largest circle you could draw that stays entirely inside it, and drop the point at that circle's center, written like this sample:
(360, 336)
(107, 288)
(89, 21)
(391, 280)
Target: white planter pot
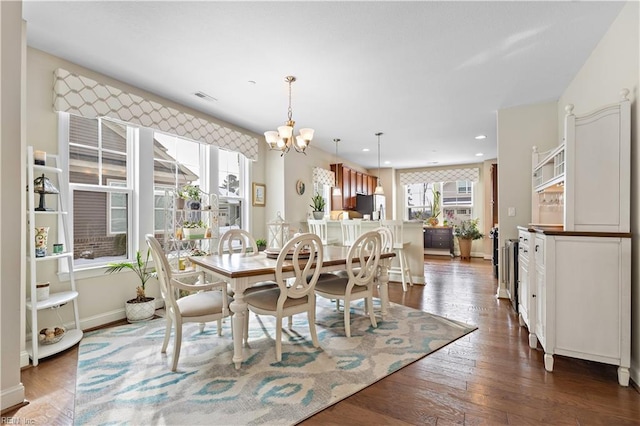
(194, 233)
(140, 311)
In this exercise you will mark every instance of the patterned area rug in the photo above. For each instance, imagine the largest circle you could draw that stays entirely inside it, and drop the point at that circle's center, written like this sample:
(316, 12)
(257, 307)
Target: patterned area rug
(124, 379)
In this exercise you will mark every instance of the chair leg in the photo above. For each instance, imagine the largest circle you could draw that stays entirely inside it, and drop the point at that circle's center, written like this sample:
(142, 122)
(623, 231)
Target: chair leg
(201, 327)
(278, 338)
(245, 338)
(177, 344)
(372, 316)
(219, 327)
(311, 318)
(167, 335)
(347, 317)
(290, 322)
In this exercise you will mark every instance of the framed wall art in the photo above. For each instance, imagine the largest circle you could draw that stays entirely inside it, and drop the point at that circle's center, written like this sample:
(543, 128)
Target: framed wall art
(259, 194)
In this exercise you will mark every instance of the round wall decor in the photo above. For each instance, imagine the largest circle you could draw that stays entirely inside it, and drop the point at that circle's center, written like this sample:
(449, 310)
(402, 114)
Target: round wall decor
(300, 187)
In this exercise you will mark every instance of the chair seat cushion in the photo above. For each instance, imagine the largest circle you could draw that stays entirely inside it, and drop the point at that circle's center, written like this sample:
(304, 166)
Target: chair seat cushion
(344, 274)
(268, 299)
(199, 304)
(256, 287)
(338, 286)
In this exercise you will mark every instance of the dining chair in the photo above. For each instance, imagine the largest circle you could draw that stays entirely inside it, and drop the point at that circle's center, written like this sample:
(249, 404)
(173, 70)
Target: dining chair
(350, 231)
(320, 228)
(359, 280)
(292, 295)
(239, 241)
(399, 246)
(201, 306)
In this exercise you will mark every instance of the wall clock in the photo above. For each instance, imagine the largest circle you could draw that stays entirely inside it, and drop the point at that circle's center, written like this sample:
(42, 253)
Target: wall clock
(300, 187)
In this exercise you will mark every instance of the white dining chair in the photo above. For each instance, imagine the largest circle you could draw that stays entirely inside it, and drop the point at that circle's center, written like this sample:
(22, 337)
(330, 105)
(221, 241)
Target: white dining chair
(292, 295)
(239, 241)
(351, 230)
(359, 280)
(320, 228)
(206, 301)
(399, 246)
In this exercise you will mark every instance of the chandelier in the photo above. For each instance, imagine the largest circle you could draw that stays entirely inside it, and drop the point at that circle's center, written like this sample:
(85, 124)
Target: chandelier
(283, 139)
(379, 190)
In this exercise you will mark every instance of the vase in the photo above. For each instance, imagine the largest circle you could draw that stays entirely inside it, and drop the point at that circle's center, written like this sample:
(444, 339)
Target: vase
(465, 248)
(433, 221)
(41, 240)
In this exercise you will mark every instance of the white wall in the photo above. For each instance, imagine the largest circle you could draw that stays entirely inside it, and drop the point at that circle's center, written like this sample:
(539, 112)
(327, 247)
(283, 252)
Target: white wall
(12, 159)
(519, 129)
(613, 65)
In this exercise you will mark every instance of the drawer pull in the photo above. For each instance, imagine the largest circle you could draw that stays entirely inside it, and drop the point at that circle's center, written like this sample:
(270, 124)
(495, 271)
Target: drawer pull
(525, 251)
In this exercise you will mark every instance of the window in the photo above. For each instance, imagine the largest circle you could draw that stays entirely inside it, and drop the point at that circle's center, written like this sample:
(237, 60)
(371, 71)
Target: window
(113, 167)
(101, 191)
(456, 200)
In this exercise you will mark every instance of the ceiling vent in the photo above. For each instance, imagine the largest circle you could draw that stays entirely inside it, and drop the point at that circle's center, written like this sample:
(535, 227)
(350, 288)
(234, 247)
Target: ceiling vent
(206, 97)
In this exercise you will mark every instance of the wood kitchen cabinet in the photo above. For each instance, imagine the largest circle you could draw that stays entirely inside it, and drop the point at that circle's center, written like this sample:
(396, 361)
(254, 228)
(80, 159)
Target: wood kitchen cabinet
(351, 182)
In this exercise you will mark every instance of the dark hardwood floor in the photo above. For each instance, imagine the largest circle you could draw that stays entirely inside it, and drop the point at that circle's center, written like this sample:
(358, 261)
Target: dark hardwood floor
(490, 376)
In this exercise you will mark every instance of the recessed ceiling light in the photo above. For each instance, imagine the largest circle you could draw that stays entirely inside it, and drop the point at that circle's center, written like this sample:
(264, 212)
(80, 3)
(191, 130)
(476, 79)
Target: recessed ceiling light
(387, 162)
(432, 162)
(365, 149)
(480, 137)
(479, 154)
(206, 97)
(251, 82)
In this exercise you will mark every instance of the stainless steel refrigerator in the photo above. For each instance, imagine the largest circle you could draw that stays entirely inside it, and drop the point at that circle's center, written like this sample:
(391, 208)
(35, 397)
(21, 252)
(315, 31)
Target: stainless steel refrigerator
(373, 205)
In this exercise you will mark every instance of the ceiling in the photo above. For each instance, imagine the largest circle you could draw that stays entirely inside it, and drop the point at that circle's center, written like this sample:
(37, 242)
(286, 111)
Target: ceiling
(429, 75)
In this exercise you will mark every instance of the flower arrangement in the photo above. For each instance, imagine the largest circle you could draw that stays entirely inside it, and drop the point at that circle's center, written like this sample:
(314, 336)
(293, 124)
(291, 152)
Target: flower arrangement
(468, 230)
(193, 224)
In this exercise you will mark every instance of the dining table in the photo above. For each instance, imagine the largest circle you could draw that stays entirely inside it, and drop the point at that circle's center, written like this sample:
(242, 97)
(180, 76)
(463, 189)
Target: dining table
(242, 271)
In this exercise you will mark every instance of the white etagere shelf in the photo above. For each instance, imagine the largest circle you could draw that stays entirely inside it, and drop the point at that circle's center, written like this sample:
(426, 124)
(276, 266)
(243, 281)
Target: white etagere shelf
(35, 349)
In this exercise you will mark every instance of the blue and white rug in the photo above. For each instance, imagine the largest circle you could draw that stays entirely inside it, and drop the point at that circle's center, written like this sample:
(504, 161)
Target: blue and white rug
(124, 379)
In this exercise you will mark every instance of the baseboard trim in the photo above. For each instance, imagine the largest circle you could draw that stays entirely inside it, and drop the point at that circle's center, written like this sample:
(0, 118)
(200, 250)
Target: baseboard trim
(12, 398)
(24, 359)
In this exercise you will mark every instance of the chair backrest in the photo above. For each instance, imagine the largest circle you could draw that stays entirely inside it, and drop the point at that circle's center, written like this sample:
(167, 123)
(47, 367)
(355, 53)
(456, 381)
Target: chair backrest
(350, 231)
(366, 249)
(305, 254)
(237, 241)
(319, 227)
(387, 239)
(396, 228)
(163, 271)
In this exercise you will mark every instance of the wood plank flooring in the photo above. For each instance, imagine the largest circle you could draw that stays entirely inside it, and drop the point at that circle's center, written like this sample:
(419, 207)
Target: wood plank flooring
(489, 377)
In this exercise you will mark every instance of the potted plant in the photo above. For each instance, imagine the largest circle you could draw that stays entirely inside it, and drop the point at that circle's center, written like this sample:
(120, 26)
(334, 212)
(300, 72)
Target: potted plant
(466, 232)
(193, 230)
(435, 208)
(318, 205)
(191, 194)
(262, 244)
(141, 308)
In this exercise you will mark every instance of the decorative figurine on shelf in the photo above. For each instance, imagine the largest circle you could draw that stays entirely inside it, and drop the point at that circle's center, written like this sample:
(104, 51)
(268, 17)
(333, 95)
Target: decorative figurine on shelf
(42, 185)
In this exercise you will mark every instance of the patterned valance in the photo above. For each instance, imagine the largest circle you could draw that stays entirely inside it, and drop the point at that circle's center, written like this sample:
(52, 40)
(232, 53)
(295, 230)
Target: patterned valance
(323, 176)
(83, 96)
(444, 175)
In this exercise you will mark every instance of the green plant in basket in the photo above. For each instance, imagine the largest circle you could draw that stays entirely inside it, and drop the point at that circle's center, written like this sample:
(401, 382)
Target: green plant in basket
(468, 230)
(193, 224)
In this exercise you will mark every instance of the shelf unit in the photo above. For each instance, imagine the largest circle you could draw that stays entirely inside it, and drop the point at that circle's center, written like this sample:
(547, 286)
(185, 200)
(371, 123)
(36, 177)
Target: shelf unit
(548, 168)
(175, 245)
(56, 300)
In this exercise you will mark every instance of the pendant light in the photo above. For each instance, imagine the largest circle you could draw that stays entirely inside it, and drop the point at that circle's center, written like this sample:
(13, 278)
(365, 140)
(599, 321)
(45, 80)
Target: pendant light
(336, 189)
(379, 190)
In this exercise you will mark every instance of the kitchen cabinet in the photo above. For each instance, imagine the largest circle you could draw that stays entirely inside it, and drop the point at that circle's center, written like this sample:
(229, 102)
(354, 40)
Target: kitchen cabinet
(575, 256)
(440, 237)
(351, 182)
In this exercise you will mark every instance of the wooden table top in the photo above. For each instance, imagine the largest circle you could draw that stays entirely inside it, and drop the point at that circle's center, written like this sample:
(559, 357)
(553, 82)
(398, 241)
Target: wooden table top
(247, 265)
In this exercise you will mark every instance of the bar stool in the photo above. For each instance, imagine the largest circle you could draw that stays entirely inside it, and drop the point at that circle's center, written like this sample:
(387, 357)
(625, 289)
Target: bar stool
(319, 227)
(350, 231)
(399, 246)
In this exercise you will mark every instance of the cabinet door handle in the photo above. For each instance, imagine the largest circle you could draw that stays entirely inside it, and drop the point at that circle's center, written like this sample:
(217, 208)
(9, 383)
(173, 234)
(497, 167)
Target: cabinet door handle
(533, 295)
(525, 250)
(537, 248)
